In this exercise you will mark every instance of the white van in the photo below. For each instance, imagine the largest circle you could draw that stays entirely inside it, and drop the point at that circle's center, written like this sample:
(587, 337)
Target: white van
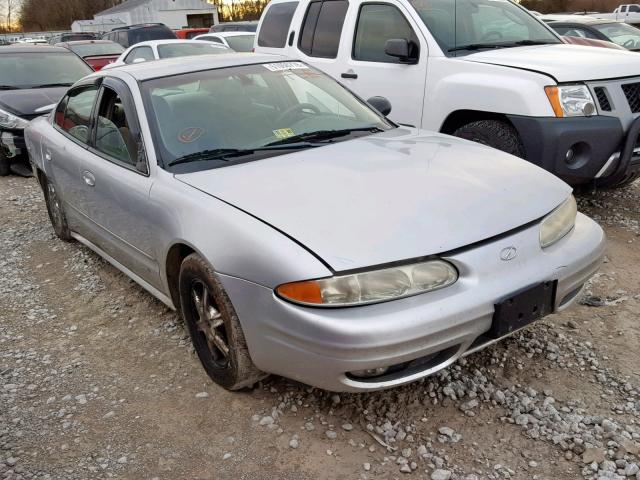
(484, 70)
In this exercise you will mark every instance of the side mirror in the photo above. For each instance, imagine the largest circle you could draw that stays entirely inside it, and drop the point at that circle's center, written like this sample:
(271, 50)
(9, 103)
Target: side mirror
(138, 60)
(381, 104)
(402, 49)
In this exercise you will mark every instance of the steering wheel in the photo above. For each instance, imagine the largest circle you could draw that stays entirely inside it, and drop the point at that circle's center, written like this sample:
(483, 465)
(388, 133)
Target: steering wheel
(629, 44)
(295, 109)
(492, 35)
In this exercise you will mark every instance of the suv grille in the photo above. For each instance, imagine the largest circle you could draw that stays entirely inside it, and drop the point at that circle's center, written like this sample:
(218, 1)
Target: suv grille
(603, 100)
(632, 92)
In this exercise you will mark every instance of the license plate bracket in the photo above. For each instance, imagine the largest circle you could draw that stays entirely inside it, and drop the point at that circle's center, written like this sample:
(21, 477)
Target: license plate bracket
(522, 308)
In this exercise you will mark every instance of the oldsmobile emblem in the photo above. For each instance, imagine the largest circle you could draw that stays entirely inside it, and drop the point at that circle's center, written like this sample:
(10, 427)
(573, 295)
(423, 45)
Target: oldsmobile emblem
(508, 253)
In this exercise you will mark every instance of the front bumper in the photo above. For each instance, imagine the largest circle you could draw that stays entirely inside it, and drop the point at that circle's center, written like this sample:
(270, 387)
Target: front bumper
(598, 144)
(320, 346)
(12, 144)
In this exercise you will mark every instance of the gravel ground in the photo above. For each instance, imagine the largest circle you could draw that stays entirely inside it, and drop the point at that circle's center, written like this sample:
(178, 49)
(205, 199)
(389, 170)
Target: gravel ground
(98, 380)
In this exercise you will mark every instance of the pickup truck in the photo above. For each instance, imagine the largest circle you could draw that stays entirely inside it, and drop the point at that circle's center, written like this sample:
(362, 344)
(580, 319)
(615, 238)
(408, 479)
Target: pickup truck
(483, 70)
(629, 13)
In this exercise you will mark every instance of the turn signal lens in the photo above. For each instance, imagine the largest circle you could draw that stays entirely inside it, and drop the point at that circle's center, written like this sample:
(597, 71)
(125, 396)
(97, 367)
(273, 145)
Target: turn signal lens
(371, 287)
(554, 98)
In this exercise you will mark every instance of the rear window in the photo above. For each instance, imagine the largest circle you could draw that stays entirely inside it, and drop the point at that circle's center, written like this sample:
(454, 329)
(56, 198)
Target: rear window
(275, 25)
(180, 49)
(76, 37)
(320, 35)
(241, 43)
(90, 49)
(150, 33)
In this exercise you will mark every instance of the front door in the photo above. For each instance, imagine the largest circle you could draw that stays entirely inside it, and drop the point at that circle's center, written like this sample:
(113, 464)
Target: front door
(118, 191)
(369, 71)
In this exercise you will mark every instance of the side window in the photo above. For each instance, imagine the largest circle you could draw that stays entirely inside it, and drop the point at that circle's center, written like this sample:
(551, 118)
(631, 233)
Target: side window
(634, 8)
(77, 116)
(144, 53)
(322, 27)
(378, 23)
(113, 134)
(123, 39)
(215, 40)
(275, 25)
(58, 116)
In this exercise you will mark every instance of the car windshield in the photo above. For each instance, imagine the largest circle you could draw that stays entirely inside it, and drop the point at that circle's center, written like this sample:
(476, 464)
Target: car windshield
(465, 26)
(90, 49)
(621, 33)
(251, 112)
(31, 70)
(183, 49)
(241, 43)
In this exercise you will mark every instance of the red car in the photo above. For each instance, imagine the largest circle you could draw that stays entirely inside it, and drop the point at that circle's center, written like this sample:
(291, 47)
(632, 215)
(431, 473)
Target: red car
(189, 33)
(97, 53)
(591, 42)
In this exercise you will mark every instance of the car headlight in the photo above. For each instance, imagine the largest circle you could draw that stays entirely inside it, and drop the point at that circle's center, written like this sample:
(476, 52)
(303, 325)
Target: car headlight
(558, 223)
(8, 120)
(571, 100)
(372, 286)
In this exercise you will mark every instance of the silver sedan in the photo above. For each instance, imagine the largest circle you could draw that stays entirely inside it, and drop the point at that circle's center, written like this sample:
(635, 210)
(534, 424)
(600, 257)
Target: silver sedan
(297, 230)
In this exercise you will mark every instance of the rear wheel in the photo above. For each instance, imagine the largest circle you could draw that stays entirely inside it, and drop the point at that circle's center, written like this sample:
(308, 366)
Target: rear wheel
(493, 133)
(55, 210)
(214, 326)
(5, 165)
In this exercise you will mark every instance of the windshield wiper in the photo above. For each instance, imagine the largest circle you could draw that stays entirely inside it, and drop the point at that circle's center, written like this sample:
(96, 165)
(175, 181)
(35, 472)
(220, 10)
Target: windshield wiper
(8, 87)
(520, 43)
(52, 85)
(323, 135)
(224, 154)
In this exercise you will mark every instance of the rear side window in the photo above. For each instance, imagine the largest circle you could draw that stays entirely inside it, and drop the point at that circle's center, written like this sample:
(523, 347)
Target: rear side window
(275, 25)
(378, 23)
(322, 27)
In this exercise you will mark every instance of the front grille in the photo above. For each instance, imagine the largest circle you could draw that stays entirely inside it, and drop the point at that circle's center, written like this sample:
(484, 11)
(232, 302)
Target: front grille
(603, 100)
(632, 92)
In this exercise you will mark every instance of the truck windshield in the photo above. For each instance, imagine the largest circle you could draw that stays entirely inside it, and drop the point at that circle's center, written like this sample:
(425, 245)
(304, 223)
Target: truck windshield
(464, 26)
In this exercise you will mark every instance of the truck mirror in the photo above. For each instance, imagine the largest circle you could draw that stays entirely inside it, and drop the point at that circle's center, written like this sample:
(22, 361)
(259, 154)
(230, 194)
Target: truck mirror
(381, 104)
(402, 49)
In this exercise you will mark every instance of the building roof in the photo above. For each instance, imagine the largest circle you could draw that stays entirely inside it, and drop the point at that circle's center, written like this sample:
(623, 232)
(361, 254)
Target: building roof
(123, 7)
(115, 21)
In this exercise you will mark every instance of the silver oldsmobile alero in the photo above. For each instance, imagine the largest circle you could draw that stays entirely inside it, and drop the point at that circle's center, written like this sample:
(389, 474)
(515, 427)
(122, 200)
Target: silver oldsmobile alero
(297, 230)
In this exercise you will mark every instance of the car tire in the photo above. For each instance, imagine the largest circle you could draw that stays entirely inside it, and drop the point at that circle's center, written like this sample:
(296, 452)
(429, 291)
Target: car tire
(626, 181)
(493, 133)
(214, 327)
(56, 212)
(5, 165)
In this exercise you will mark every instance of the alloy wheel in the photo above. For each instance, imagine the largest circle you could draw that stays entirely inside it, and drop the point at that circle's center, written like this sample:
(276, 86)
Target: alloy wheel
(210, 324)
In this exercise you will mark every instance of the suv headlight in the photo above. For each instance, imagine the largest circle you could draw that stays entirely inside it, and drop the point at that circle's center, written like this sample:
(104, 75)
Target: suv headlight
(558, 223)
(8, 120)
(371, 287)
(571, 100)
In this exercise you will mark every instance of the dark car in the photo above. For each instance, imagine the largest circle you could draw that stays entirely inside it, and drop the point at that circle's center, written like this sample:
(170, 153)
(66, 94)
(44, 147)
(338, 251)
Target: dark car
(621, 34)
(70, 37)
(97, 53)
(127, 36)
(235, 27)
(31, 80)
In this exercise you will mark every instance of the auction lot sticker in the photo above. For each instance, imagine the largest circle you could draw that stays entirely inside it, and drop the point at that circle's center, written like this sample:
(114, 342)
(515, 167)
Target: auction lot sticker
(281, 66)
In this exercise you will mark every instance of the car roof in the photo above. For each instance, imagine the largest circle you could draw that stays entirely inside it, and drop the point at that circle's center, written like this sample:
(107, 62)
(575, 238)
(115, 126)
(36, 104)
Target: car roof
(26, 49)
(581, 19)
(227, 34)
(196, 63)
(151, 43)
(86, 42)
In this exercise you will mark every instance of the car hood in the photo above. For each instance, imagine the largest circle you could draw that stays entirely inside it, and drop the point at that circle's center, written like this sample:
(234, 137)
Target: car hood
(25, 103)
(387, 197)
(565, 63)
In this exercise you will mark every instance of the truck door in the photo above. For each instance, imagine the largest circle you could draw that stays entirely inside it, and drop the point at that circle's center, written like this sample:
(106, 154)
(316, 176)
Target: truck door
(364, 66)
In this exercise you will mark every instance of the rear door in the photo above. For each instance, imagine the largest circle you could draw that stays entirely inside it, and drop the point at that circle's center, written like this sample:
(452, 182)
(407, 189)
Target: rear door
(364, 66)
(117, 193)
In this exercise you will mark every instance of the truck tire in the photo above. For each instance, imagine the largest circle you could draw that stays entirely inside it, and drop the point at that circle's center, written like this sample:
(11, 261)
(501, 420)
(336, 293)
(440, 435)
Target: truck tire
(628, 180)
(5, 165)
(214, 327)
(493, 133)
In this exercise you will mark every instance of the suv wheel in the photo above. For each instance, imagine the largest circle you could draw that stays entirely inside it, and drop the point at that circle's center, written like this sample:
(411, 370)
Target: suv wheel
(493, 133)
(214, 326)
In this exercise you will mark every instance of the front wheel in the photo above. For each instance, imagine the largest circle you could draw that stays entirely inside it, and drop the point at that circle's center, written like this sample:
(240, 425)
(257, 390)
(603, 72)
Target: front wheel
(214, 326)
(493, 133)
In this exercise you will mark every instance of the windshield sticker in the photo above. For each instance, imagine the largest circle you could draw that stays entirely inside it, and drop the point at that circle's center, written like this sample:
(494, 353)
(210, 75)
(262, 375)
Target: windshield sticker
(190, 134)
(282, 66)
(283, 133)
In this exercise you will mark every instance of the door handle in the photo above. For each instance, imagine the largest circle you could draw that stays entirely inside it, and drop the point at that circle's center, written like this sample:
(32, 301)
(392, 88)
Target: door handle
(349, 75)
(89, 179)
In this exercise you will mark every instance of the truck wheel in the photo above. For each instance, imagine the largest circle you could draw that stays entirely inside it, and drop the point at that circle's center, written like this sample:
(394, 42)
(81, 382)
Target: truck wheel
(214, 326)
(628, 180)
(493, 133)
(55, 210)
(5, 165)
